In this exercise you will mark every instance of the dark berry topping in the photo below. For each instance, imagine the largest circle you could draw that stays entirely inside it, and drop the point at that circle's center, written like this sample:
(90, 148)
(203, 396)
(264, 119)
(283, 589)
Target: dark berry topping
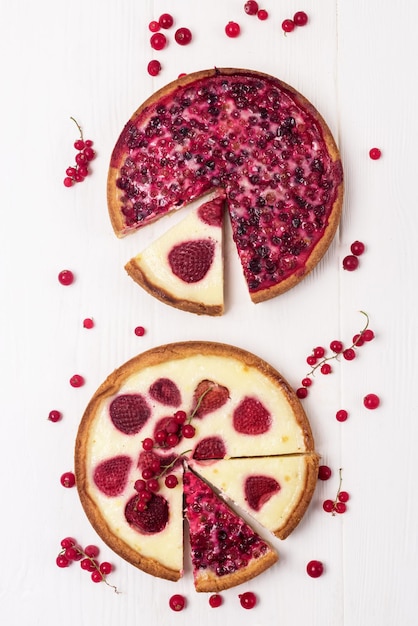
(166, 392)
(152, 519)
(129, 413)
(190, 261)
(251, 417)
(111, 475)
(259, 489)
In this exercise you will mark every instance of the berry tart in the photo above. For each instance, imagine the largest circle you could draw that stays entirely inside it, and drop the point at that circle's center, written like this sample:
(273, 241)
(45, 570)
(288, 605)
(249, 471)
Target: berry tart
(184, 267)
(188, 407)
(252, 136)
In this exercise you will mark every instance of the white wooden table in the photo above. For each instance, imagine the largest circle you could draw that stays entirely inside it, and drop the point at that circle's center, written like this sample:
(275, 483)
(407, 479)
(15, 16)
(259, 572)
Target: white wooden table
(356, 61)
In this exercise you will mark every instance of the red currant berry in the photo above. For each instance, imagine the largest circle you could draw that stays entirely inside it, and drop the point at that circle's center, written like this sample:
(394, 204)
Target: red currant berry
(148, 443)
(66, 277)
(79, 144)
(78, 177)
(68, 182)
(371, 401)
(140, 485)
(306, 382)
(154, 26)
(144, 497)
(343, 496)
(350, 262)
(160, 436)
(71, 553)
(288, 25)
(357, 248)
(166, 20)
(188, 431)
(88, 143)
(315, 569)
(336, 346)
(328, 506)
(341, 415)
(326, 368)
(324, 472)
(311, 359)
(62, 561)
(147, 473)
(368, 335)
(68, 480)
(154, 68)
(340, 507)
(180, 416)
(300, 18)
(177, 602)
(251, 7)
(248, 600)
(172, 426)
(301, 393)
(139, 331)
(83, 171)
(375, 154)
(262, 14)
(54, 416)
(215, 600)
(183, 36)
(349, 354)
(172, 440)
(77, 380)
(88, 323)
(158, 41)
(319, 352)
(87, 565)
(232, 29)
(89, 153)
(97, 576)
(91, 551)
(358, 340)
(171, 481)
(68, 542)
(105, 568)
(80, 158)
(153, 485)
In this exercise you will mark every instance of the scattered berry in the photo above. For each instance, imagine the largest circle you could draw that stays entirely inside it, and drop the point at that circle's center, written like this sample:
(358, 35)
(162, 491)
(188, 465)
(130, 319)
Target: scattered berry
(166, 20)
(324, 472)
(251, 7)
(232, 29)
(371, 401)
(154, 26)
(300, 18)
(183, 36)
(77, 380)
(350, 262)
(158, 41)
(288, 25)
(154, 67)
(68, 480)
(54, 416)
(357, 248)
(88, 323)
(248, 600)
(177, 602)
(301, 393)
(66, 277)
(375, 154)
(315, 569)
(341, 415)
(262, 15)
(215, 600)
(139, 331)
(306, 382)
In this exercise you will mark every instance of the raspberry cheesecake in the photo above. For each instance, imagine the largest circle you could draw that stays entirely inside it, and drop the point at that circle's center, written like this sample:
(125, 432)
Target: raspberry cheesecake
(255, 138)
(197, 404)
(184, 267)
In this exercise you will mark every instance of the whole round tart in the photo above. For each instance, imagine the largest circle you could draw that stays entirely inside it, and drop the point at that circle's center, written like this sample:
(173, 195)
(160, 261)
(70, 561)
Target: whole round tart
(253, 137)
(164, 427)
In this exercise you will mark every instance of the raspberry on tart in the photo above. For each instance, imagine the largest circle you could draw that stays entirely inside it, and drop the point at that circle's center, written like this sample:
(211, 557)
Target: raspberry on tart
(225, 550)
(252, 136)
(275, 491)
(189, 403)
(184, 267)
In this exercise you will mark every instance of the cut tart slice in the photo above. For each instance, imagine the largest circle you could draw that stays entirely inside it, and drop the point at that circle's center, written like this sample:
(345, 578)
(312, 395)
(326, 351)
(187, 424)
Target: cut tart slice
(184, 267)
(254, 137)
(275, 491)
(225, 550)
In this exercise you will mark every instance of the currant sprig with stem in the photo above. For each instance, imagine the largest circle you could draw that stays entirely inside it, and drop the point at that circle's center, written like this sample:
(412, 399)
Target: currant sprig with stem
(338, 505)
(87, 557)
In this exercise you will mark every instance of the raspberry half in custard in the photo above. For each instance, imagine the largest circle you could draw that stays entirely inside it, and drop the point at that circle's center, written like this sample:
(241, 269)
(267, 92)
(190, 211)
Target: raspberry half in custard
(253, 137)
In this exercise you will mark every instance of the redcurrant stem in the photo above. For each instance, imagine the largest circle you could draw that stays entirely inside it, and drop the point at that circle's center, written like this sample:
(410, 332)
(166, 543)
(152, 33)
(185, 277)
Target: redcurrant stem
(199, 402)
(96, 567)
(336, 355)
(78, 126)
(167, 467)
